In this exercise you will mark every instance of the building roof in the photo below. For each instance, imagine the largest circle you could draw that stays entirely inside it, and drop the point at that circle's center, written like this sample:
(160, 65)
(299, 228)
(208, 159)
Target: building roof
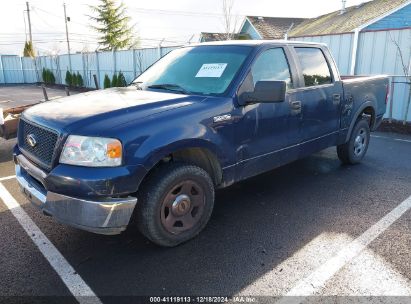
(273, 27)
(205, 37)
(354, 17)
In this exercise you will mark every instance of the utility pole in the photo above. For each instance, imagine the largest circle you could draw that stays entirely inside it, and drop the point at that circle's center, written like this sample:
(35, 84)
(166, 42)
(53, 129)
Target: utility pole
(67, 35)
(31, 39)
(28, 17)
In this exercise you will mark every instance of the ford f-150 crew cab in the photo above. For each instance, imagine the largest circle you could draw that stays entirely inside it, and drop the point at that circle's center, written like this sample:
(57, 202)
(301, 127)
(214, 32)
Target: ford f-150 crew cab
(202, 117)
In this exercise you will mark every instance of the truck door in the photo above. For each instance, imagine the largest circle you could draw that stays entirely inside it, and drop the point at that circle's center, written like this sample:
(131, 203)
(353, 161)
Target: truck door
(266, 130)
(320, 96)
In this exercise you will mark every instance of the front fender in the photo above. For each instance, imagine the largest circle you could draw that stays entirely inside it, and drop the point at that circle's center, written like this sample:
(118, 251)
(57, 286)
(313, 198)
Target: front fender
(162, 144)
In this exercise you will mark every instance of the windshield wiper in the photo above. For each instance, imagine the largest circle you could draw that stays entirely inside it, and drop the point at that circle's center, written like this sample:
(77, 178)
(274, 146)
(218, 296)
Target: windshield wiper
(169, 87)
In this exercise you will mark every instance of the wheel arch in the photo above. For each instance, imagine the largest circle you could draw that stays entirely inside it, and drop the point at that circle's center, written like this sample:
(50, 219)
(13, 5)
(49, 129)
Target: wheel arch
(367, 109)
(200, 153)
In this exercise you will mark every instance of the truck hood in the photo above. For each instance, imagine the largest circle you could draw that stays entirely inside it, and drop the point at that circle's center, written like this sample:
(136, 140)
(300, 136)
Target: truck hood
(119, 105)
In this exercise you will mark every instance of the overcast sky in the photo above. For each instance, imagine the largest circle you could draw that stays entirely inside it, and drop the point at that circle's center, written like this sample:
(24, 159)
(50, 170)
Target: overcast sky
(174, 21)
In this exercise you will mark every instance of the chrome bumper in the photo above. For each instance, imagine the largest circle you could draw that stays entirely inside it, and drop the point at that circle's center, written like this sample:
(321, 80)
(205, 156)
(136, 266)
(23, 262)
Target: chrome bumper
(106, 216)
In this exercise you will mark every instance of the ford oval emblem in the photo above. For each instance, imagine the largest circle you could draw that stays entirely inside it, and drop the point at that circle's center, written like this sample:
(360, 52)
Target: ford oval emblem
(31, 139)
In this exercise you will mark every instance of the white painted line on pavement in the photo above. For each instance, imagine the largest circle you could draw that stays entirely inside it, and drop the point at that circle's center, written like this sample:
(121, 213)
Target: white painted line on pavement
(397, 139)
(80, 290)
(403, 140)
(319, 277)
(368, 275)
(7, 178)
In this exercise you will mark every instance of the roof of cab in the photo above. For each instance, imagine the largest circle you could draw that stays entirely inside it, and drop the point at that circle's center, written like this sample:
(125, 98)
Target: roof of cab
(256, 43)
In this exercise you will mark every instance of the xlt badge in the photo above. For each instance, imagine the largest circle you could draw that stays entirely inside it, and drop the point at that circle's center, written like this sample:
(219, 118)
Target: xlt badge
(222, 118)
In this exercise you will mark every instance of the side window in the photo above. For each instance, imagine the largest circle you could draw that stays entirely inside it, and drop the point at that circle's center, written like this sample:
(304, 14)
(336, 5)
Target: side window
(314, 66)
(272, 65)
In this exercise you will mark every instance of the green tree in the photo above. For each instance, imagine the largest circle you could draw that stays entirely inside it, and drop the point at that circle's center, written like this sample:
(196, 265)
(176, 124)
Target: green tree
(44, 75)
(114, 82)
(107, 82)
(74, 79)
(80, 82)
(121, 80)
(69, 78)
(48, 76)
(52, 78)
(113, 26)
(29, 50)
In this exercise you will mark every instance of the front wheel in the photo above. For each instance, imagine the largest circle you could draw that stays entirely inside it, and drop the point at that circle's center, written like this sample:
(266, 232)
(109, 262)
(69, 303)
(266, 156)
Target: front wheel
(175, 204)
(353, 151)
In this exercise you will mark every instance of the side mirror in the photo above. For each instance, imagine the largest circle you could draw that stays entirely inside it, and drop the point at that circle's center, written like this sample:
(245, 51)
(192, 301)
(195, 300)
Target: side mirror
(265, 92)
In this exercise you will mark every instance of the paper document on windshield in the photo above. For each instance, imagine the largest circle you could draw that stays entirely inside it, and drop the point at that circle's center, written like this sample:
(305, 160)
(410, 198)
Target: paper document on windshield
(213, 70)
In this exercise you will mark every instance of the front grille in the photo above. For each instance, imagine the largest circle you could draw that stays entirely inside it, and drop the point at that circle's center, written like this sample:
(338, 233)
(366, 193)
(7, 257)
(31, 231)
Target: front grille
(46, 139)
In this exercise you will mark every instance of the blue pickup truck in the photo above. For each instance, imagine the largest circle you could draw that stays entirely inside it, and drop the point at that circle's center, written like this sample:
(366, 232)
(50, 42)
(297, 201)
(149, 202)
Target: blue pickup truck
(203, 117)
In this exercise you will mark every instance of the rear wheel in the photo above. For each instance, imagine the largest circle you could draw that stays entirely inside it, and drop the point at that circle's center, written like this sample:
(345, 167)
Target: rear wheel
(353, 151)
(175, 204)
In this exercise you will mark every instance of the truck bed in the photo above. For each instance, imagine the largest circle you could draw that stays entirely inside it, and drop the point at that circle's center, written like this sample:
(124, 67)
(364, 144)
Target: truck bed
(373, 90)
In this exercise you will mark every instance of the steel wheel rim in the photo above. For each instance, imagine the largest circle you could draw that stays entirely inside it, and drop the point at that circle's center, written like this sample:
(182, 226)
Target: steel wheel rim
(182, 207)
(360, 142)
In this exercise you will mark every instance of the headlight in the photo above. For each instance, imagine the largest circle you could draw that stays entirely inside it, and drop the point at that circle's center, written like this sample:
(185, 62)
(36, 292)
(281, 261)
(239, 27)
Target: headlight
(91, 151)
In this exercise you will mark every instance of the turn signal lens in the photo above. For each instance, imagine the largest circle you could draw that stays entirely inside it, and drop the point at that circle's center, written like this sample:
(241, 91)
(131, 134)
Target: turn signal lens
(114, 150)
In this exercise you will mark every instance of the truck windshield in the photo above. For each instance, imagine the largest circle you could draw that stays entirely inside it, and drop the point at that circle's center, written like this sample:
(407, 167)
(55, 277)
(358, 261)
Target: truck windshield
(206, 70)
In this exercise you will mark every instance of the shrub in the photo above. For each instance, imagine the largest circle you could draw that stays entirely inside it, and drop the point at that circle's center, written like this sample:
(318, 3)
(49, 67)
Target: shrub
(107, 83)
(121, 80)
(69, 78)
(80, 82)
(48, 76)
(114, 81)
(52, 79)
(74, 79)
(44, 75)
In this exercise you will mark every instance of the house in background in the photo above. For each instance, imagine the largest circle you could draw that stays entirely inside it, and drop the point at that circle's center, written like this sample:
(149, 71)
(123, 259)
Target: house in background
(366, 39)
(268, 27)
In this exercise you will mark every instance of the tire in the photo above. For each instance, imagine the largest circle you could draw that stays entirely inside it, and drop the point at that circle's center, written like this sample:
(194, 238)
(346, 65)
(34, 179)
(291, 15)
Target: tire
(175, 204)
(353, 151)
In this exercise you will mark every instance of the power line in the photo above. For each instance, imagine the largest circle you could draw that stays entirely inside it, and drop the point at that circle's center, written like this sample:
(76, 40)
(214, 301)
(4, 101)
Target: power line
(59, 16)
(173, 12)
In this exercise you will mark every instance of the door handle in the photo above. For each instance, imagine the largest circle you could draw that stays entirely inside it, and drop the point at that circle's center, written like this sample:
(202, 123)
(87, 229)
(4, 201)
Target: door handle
(295, 105)
(336, 99)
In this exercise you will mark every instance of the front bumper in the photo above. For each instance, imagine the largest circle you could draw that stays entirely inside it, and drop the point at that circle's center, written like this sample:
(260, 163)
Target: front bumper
(103, 216)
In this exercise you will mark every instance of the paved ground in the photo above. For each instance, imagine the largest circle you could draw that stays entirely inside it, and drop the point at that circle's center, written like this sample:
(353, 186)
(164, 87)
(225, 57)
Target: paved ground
(12, 96)
(313, 227)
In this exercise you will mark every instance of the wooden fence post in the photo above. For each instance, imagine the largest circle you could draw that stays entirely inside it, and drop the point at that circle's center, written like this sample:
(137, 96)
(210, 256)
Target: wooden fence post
(46, 98)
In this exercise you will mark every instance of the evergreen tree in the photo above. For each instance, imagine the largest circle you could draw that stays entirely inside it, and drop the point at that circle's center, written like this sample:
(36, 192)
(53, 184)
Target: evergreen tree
(44, 75)
(121, 80)
(107, 82)
(80, 82)
(114, 81)
(29, 50)
(69, 78)
(52, 78)
(115, 33)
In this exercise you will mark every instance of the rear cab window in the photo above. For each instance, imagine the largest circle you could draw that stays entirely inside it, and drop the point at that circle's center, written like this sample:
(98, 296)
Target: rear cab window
(314, 66)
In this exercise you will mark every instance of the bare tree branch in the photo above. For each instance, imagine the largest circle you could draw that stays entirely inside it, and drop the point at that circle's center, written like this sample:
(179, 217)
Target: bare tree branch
(406, 72)
(229, 19)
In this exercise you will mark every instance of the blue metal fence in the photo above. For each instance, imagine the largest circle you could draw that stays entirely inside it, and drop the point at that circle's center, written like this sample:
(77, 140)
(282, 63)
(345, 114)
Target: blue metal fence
(16, 70)
(377, 54)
